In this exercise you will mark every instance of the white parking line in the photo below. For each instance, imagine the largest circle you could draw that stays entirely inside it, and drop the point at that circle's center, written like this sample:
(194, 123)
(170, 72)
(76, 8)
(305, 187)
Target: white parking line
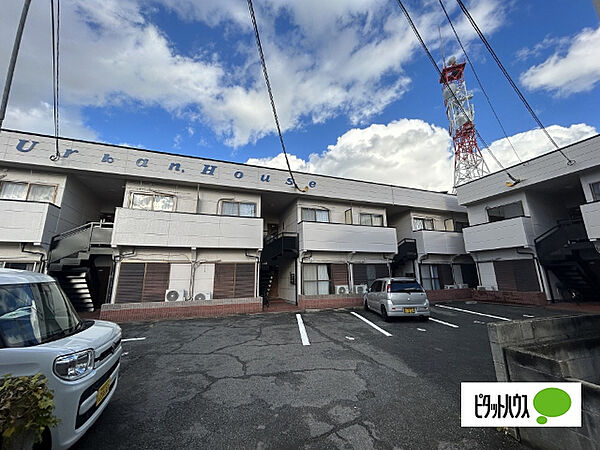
(303, 334)
(133, 339)
(443, 323)
(421, 329)
(472, 312)
(528, 315)
(368, 322)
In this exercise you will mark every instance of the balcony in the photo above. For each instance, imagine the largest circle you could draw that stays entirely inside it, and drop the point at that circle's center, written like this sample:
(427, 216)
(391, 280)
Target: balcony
(30, 222)
(134, 227)
(337, 237)
(508, 233)
(591, 218)
(440, 242)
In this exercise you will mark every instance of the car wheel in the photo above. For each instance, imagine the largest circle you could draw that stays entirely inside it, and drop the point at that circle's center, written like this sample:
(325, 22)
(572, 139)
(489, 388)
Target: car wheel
(366, 305)
(384, 314)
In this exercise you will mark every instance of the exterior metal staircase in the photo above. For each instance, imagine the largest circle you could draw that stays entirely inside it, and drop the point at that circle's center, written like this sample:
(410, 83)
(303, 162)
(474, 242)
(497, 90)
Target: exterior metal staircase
(282, 246)
(407, 251)
(566, 251)
(267, 275)
(72, 262)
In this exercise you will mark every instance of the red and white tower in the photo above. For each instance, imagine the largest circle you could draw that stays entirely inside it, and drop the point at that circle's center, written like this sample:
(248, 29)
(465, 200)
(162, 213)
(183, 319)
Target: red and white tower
(468, 162)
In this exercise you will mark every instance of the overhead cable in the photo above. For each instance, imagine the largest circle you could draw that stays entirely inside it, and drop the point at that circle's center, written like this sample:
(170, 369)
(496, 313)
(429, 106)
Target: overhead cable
(466, 12)
(429, 55)
(478, 79)
(55, 74)
(268, 83)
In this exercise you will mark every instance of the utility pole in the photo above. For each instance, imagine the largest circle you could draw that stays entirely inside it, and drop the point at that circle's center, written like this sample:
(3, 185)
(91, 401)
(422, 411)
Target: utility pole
(13, 61)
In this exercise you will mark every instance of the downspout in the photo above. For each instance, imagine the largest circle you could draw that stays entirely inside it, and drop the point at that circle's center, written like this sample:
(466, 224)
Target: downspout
(546, 288)
(256, 270)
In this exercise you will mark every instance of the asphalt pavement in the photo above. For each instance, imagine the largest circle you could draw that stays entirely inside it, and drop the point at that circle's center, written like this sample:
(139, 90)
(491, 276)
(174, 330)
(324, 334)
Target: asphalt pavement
(259, 381)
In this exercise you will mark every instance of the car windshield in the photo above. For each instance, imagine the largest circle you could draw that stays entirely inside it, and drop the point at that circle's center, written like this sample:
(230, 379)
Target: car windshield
(32, 314)
(405, 286)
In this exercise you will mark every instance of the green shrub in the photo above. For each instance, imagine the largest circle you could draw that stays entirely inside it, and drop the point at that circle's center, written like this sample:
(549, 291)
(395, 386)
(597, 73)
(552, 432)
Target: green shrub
(26, 406)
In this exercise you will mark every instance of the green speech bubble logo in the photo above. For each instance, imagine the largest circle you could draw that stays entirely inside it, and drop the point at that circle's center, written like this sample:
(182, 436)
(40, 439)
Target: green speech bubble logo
(552, 402)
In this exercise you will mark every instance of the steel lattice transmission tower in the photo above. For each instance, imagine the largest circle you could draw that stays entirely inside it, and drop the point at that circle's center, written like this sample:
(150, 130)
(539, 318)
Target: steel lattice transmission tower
(468, 162)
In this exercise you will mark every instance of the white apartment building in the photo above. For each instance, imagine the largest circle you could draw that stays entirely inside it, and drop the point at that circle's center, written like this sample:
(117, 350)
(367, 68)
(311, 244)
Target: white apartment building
(125, 226)
(543, 233)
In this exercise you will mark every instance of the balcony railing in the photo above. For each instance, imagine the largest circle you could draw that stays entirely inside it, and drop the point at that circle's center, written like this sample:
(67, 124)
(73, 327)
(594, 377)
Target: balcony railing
(134, 227)
(509, 233)
(440, 242)
(337, 237)
(25, 221)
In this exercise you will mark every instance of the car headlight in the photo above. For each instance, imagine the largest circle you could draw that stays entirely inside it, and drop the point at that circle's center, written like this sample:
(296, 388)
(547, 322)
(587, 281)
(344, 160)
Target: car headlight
(74, 366)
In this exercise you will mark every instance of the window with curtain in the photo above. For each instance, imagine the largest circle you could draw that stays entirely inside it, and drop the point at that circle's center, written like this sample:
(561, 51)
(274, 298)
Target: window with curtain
(238, 209)
(27, 191)
(153, 202)
(504, 212)
(595, 187)
(430, 277)
(315, 215)
(421, 223)
(316, 280)
(373, 220)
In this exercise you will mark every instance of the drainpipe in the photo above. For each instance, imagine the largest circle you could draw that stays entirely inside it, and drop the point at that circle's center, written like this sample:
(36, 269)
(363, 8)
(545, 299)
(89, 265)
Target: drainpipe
(256, 270)
(546, 288)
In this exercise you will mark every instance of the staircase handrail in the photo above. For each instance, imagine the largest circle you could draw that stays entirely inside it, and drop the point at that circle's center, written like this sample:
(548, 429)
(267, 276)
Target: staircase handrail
(559, 225)
(80, 228)
(273, 237)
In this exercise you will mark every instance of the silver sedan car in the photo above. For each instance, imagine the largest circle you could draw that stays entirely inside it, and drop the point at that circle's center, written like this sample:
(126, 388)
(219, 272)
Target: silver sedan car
(392, 297)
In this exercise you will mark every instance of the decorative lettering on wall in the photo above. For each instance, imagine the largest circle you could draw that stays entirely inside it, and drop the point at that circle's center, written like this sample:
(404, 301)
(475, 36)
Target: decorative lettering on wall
(25, 146)
(21, 145)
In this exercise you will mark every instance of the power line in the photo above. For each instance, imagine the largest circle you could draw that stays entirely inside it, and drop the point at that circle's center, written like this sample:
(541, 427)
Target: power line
(478, 80)
(266, 75)
(429, 55)
(510, 80)
(13, 60)
(55, 74)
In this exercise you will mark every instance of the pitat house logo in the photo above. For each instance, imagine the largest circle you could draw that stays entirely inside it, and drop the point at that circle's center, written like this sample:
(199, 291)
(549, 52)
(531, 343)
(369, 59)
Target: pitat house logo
(520, 404)
(26, 146)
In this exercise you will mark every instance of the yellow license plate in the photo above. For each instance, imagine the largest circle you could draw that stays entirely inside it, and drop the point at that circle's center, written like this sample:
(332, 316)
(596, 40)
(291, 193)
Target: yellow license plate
(409, 310)
(102, 392)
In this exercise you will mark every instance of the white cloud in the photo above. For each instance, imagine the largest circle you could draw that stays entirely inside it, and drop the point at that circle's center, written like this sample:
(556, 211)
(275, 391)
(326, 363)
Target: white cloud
(407, 152)
(530, 144)
(346, 60)
(576, 71)
(413, 153)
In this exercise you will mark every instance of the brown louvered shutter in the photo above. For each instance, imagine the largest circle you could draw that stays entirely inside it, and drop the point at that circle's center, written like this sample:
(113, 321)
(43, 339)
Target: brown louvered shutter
(505, 275)
(360, 273)
(339, 274)
(244, 280)
(224, 280)
(156, 282)
(526, 277)
(130, 283)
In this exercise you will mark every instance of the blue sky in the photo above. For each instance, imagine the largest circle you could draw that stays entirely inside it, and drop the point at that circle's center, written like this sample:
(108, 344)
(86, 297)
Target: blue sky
(356, 95)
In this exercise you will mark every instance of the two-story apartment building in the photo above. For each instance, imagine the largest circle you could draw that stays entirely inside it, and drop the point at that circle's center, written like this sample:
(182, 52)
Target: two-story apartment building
(126, 226)
(542, 233)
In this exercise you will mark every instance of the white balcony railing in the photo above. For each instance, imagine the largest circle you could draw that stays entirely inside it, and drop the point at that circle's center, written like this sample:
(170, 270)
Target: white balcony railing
(30, 222)
(591, 219)
(439, 242)
(134, 227)
(336, 237)
(508, 233)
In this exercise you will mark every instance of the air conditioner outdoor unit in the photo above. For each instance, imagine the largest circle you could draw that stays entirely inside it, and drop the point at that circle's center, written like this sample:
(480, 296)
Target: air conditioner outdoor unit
(342, 290)
(202, 296)
(450, 286)
(361, 289)
(463, 286)
(174, 295)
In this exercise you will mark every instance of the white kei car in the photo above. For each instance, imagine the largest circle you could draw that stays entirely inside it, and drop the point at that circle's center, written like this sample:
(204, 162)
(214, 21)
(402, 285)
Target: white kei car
(41, 332)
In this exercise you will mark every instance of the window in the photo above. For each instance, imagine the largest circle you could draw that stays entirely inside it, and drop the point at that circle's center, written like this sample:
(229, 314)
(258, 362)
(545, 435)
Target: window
(239, 209)
(316, 279)
(315, 215)
(153, 202)
(595, 187)
(436, 276)
(505, 211)
(18, 265)
(27, 191)
(373, 220)
(422, 224)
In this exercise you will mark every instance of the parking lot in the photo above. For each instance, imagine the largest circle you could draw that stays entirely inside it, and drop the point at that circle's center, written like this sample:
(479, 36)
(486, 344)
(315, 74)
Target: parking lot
(325, 379)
